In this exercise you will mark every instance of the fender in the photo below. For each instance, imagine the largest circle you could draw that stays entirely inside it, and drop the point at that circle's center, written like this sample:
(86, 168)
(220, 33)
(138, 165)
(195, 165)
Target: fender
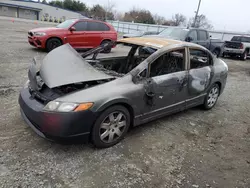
(114, 101)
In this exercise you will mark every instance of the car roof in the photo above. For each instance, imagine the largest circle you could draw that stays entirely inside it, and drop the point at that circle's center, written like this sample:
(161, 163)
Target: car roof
(153, 42)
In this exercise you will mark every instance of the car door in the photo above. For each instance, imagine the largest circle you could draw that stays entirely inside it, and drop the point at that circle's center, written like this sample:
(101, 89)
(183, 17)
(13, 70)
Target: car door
(200, 74)
(96, 33)
(77, 38)
(166, 87)
(192, 36)
(203, 38)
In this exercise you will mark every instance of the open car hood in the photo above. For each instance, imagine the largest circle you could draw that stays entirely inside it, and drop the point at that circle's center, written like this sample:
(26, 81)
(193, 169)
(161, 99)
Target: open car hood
(63, 66)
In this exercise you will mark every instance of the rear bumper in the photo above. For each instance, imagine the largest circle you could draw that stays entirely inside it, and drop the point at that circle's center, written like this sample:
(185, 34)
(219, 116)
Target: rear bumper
(233, 51)
(55, 125)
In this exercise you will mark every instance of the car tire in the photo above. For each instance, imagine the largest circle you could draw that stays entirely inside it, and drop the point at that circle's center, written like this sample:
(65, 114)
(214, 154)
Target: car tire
(216, 52)
(110, 127)
(244, 56)
(211, 97)
(106, 50)
(52, 44)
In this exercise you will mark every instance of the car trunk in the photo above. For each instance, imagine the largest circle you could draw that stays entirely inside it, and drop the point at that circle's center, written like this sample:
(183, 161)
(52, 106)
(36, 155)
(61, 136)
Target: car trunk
(233, 44)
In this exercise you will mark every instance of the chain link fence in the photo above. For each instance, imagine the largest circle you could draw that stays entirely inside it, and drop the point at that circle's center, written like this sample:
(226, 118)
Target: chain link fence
(129, 27)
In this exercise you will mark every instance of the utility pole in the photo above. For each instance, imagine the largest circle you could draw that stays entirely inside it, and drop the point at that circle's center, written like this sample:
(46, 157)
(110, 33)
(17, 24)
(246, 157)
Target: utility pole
(196, 13)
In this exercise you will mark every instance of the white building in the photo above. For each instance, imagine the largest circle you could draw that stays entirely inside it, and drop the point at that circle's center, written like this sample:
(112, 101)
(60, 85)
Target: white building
(34, 10)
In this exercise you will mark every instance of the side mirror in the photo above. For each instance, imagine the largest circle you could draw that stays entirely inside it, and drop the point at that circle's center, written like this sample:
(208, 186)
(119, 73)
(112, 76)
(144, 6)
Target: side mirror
(72, 29)
(189, 39)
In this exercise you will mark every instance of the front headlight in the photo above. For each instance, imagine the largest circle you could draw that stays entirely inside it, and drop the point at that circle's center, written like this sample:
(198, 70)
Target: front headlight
(67, 106)
(39, 33)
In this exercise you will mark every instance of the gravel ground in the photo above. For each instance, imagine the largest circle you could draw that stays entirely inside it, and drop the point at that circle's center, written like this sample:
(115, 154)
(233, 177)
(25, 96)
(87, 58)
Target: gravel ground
(194, 148)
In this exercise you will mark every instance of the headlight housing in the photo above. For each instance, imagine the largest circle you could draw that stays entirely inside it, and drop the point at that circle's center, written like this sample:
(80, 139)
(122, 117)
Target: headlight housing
(56, 106)
(39, 34)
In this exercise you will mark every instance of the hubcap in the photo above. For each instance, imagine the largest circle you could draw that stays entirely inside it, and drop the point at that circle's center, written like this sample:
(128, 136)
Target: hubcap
(112, 127)
(212, 97)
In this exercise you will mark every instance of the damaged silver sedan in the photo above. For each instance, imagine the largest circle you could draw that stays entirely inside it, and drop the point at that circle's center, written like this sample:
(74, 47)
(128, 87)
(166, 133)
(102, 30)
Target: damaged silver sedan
(98, 98)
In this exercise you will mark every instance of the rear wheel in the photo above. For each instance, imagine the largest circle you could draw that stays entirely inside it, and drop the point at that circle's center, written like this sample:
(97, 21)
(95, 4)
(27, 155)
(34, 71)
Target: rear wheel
(110, 127)
(244, 56)
(53, 43)
(212, 97)
(107, 50)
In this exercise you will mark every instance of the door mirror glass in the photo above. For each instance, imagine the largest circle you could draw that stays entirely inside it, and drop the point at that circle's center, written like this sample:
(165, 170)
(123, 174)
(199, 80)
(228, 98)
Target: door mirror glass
(72, 29)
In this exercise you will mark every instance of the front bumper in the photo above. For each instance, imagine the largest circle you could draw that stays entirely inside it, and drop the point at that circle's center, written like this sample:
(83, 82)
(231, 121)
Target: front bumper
(55, 125)
(38, 42)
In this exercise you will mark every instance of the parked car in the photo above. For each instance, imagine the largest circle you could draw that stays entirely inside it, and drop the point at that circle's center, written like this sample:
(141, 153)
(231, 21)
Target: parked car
(79, 33)
(194, 35)
(238, 46)
(140, 34)
(99, 97)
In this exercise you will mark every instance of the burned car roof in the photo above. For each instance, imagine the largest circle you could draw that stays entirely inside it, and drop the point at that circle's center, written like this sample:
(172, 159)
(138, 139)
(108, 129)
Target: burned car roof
(153, 42)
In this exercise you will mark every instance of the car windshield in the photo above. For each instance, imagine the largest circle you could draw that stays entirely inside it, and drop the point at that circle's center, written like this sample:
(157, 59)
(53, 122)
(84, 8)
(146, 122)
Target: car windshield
(65, 24)
(122, 59)
(177, 33)
(235, 38)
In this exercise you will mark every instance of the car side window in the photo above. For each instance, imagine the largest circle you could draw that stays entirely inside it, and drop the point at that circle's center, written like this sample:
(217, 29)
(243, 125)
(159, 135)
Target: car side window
(170, 62)
(202, 35)
(81, 26)
(199, 58)
(97, 26)
(193, 35)
(245, 39)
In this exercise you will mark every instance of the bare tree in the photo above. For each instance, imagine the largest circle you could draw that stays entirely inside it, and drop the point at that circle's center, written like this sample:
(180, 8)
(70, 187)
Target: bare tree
(178, 19)
(109, 8)
(201, 22)
(159, 19)
(139, 16)
(118, 15)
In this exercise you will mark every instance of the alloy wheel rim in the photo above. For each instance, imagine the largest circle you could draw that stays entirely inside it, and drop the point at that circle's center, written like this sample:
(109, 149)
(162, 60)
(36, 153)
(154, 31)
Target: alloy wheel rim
(112, 127)
(212, 97)
(54, 45)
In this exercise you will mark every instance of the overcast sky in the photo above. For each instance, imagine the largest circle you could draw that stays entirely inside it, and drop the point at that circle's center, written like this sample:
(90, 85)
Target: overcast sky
(232, 15)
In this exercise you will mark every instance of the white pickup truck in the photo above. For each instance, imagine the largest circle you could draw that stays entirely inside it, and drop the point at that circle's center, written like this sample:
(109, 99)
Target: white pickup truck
(238, 46)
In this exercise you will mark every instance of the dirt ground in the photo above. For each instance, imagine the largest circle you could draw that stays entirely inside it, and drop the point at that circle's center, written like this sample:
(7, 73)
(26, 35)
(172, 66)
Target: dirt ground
(194, 148)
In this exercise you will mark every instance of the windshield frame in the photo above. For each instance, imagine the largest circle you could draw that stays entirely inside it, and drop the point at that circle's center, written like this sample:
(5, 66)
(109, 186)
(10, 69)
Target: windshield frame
(71, 22)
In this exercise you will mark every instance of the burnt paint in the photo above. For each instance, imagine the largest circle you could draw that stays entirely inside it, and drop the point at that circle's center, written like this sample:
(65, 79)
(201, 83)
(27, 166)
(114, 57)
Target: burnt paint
(127, 90)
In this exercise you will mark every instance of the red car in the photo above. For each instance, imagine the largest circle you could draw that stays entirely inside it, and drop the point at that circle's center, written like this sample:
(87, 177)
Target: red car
(79, 33)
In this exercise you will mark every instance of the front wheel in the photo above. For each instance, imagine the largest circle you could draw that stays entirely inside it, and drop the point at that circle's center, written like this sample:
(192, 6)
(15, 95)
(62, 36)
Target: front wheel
(211, 97)
(216, 52)
(106, 50)
(52, 44)
(110, 127)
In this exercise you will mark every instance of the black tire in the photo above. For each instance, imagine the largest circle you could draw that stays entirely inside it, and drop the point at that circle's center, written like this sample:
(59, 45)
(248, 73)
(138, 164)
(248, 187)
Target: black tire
(208, 105)
(108, 50)
(110, 128)
(244, 56)
(216, 52)
(52, 44)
